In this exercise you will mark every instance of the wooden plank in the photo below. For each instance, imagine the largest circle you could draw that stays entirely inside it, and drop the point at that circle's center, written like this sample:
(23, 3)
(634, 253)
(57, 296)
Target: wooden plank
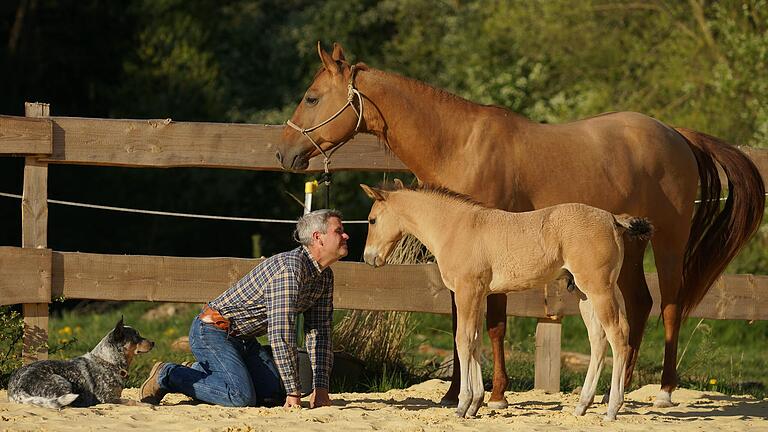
(25, 275)
(35, 344)
(23, 135)
(547, 372)
(144, 278)
(164, 143)
(34, 229)
(760, 157)
(735, 297)
(34, 204)
(415, 288)
(731, 297)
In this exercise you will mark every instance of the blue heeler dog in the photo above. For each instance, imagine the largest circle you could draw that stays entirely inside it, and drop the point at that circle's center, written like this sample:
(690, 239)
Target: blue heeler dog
(95, 377)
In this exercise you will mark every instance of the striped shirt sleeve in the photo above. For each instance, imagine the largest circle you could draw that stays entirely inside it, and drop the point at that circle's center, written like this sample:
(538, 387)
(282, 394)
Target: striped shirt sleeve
(317, 330)
(281, 298)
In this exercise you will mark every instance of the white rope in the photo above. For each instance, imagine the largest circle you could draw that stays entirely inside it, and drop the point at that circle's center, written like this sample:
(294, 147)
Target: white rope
(721, 199)
(162, 213)
(191, 215)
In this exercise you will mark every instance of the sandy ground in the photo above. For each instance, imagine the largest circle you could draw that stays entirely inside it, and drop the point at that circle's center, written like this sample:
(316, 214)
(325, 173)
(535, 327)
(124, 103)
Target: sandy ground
(412, 409)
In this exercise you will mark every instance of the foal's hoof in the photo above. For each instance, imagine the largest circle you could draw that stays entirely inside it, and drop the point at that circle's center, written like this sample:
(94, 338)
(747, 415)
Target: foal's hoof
(580, 410)
(663, 400)
(461, 410)
(610, 417)
(498, 404)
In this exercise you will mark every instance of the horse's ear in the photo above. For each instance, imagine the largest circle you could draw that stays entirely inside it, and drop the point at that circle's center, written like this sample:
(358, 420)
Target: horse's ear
(328, 62)
(399, 184)
(338, 52)
(376, 194)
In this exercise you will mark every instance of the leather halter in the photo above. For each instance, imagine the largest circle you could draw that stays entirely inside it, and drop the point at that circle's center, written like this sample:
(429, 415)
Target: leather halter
(352, 92)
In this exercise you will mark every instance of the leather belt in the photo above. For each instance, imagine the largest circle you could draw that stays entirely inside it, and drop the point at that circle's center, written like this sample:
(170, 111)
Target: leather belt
(213, 317)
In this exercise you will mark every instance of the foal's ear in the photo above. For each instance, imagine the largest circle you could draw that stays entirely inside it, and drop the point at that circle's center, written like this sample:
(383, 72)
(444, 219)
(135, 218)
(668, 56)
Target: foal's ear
(399, 184)
(328, 62)
(338, 52)
(376, 194)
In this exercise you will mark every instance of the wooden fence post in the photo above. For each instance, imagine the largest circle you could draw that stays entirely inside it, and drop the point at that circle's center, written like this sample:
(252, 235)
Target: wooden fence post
(34, 228)
(547, 375)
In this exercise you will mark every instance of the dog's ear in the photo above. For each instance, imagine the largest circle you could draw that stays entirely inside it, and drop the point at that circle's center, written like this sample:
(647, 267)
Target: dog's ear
(117, 333)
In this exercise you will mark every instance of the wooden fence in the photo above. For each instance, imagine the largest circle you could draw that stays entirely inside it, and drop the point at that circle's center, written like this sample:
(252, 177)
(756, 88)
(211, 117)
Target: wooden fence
(33, 274)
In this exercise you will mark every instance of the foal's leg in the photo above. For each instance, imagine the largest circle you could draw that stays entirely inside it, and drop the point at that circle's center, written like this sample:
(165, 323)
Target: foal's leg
(597, 345)
(608, 312)
(496, 323)
(637, 300)
(469, 311)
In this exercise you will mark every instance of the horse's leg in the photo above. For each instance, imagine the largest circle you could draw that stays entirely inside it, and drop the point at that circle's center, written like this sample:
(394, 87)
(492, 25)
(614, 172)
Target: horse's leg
(496, 323)
(608, 313)
(668, 250)
(451, 397)
(637, 301)
(469, 310)
(597, 344)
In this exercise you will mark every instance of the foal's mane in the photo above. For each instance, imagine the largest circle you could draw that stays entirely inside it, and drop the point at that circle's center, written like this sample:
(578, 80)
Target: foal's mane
(439, 191)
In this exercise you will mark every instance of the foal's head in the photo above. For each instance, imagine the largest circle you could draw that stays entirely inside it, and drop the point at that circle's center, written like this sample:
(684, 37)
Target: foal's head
(384, 228)
(326, 100)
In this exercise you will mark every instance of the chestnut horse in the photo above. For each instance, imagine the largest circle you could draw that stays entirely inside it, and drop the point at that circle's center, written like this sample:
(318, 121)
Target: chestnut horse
(621, 162)
(482, 250)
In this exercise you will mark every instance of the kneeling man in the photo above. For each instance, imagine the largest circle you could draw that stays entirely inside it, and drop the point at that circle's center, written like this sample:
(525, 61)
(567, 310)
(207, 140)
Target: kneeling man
(232, 368)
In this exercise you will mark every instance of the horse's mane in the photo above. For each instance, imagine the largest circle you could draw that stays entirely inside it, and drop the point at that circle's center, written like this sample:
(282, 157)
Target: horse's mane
(412, 82)
(436, 190)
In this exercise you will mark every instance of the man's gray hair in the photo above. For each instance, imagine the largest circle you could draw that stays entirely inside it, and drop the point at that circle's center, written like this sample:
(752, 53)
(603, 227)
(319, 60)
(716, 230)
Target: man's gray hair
(316, 221)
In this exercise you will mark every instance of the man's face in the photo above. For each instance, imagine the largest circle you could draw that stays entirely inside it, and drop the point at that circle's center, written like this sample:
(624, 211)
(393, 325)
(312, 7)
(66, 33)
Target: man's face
(334, 242)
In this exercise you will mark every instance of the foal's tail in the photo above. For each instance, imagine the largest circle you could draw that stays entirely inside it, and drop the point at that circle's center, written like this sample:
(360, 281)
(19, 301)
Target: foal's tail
(635, 227)
(718, 234)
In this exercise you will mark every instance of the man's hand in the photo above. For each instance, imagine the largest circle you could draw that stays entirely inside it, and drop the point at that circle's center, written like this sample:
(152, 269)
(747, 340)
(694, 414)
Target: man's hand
(292, 402)
(319, 398)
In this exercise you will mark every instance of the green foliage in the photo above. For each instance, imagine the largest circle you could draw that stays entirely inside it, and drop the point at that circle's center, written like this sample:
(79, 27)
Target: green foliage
(11, 331)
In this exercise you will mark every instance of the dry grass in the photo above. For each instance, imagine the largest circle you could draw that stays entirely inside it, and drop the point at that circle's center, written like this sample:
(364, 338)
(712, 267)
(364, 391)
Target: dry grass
(377, 337)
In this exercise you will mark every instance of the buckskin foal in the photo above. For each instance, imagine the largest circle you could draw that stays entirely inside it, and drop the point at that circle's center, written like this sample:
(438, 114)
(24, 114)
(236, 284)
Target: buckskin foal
(481, 251)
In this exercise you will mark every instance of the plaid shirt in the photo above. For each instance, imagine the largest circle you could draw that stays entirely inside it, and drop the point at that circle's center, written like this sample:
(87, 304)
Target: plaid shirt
(267, 301)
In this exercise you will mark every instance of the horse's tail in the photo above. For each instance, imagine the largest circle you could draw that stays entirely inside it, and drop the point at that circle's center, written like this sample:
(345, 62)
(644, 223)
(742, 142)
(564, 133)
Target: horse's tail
(718, 234)
(635, 227)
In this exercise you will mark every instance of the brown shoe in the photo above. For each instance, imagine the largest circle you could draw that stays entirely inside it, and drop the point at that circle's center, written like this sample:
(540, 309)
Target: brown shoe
(151, 392)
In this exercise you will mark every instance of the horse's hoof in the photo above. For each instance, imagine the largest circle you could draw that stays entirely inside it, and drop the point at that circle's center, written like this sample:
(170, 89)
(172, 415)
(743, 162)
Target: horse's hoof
(610, 417)
(663, 400)
(580, 410)
(448, 402)
(499, 404)
(606, 397)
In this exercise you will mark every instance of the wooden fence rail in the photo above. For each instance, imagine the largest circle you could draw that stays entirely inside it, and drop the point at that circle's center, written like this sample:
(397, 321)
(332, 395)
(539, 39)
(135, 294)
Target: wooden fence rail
(33, 275)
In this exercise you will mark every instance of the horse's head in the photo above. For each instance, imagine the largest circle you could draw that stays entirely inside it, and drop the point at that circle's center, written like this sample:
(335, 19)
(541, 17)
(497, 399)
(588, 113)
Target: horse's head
(384, 227)
(329, 114)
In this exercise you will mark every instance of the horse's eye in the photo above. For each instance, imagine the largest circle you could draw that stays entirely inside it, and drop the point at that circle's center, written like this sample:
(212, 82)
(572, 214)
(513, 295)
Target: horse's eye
(372, 221)
(310, 100)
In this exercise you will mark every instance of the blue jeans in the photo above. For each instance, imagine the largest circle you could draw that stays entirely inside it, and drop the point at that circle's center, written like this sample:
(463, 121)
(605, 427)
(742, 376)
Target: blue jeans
(229, 371)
